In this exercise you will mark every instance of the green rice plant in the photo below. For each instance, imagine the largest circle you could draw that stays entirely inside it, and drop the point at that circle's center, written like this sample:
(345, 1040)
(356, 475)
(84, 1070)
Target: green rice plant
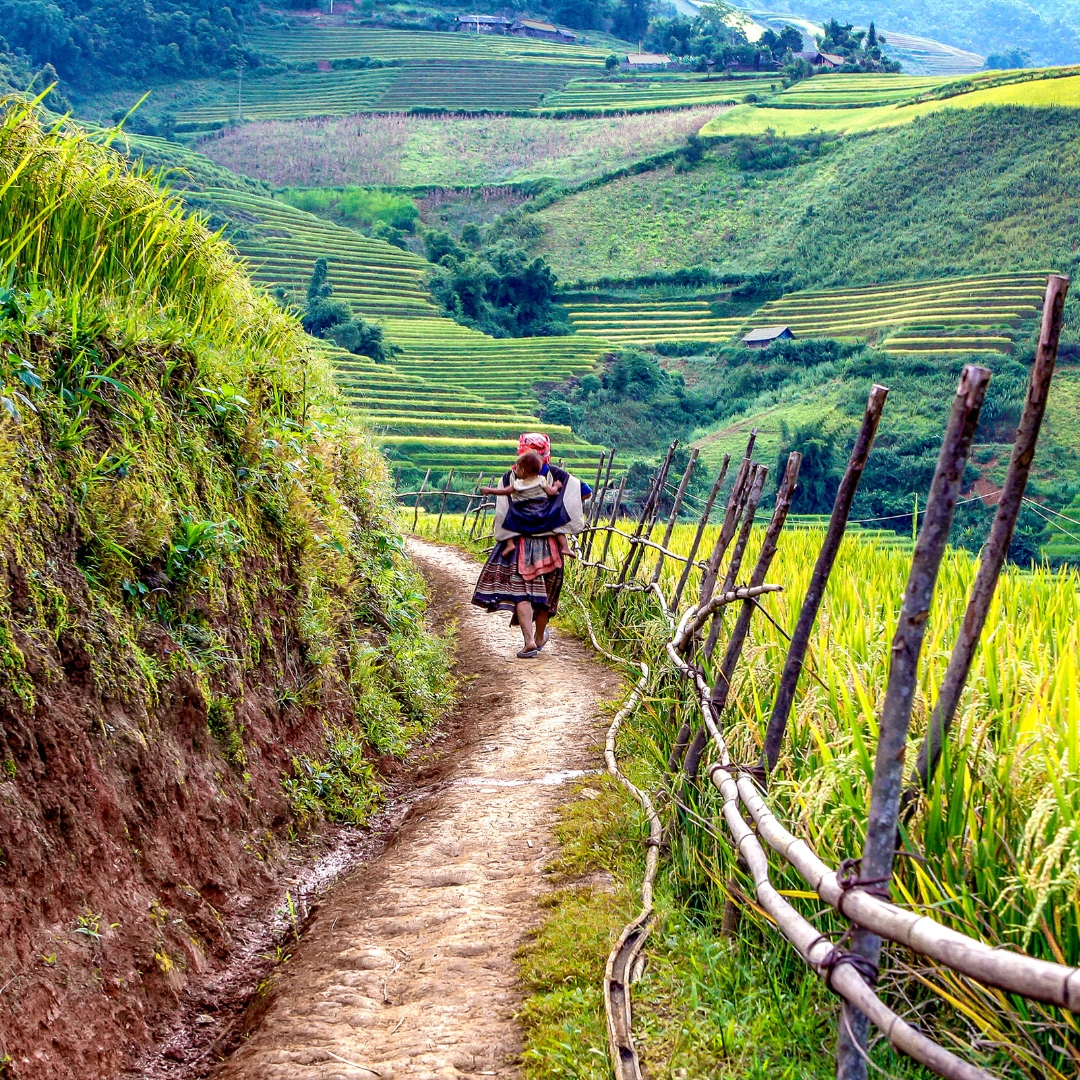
(996, 838)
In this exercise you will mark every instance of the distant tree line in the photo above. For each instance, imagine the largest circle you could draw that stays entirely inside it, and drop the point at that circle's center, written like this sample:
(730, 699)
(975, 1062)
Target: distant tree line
(95, 42)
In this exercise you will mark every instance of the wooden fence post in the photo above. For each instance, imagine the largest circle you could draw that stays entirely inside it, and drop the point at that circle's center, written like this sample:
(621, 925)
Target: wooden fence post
(815, 593)
(468, 505)
(597, 507)
(608, 533)
(875, 867)
(689, 565)
(442, 506)
(676, 506)
(997, 545)
(739, 490)
(646, 514)
(416, 505)
(757, 483)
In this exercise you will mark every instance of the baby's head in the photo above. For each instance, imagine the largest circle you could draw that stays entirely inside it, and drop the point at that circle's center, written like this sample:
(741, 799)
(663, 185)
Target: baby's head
(529, 465)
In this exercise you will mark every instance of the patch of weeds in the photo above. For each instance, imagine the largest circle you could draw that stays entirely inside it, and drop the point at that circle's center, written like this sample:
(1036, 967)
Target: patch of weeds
(340, 788)
(89, 925)
(226, 729)
(562, 966)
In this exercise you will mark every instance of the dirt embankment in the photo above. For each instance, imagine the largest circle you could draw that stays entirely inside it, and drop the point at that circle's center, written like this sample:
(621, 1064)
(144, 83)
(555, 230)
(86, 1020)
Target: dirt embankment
(407, 969)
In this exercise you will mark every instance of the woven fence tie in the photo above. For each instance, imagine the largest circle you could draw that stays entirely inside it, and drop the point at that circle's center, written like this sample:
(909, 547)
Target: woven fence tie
(847, 879)
(838, 956)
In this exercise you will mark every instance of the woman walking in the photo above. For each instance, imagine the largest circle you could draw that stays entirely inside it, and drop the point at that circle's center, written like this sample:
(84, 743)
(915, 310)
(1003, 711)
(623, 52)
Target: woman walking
(528, 578)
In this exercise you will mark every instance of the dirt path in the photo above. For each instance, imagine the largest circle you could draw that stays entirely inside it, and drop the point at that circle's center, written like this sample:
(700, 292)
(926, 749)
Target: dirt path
(407, 970)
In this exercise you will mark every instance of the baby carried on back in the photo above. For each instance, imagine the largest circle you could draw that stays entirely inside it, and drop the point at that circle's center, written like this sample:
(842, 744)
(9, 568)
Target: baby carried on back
(537, 501)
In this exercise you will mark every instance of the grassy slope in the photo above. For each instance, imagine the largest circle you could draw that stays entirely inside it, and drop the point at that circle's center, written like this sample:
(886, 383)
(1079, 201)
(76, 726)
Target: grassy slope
(207, 628)
(966, 192)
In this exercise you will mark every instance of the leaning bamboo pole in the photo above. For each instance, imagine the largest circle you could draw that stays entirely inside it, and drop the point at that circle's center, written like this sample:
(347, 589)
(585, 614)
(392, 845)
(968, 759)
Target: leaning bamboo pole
(819, 579)
(442, 506)
(876, 864)
(755, 490)
(416, 505)
(736, 500)
(674, 515)
(993, 555)
(696, 543)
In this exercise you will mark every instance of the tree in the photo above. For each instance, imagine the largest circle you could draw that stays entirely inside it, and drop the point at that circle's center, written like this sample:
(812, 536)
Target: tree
(611, 63)
(631, 20)
(871, 36)
(334, 320)
(1012, 58)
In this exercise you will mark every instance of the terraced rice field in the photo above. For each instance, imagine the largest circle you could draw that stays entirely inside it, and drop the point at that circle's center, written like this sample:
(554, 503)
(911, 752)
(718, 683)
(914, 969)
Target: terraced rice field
(283, 244)
(1042, 88)
(297, 94)
(927, 57)
(647, 322)
(341, 43)
(452, 396)
(853, 91)
(660, 91)
(961, 315)
(467, 85)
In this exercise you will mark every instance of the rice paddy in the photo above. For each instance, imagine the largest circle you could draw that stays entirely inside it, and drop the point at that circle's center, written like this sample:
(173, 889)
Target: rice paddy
(456, 84)
(958, 315)
(659, 91)
(342, 43)
(451, 395)
(862, 110)
(648, 322)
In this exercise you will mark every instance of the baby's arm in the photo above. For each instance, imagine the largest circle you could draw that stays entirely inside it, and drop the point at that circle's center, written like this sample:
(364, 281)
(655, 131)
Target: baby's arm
(508, 490)
(553, 487)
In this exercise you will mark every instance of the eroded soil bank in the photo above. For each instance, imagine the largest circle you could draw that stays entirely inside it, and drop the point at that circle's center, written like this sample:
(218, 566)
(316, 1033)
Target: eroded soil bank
(407, 968)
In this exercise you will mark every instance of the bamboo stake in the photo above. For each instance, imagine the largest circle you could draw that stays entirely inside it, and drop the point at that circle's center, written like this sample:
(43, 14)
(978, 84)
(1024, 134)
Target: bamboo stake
(442, 506)
(675, 511)
(596, 508)
(416, 505)
(650, 523)
(468, 505)
(731, 520)
(718, 699)
(815, 593)
(879, 848)
(997, 545)
(700, 532)
(607, 536)
(757, 485)
(646, 512)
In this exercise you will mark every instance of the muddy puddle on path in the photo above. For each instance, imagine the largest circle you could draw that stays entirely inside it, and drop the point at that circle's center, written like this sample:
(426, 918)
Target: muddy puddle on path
(407, 967)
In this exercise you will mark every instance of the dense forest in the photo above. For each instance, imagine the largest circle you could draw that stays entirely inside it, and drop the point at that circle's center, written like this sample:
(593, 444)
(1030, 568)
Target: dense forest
(90, 42)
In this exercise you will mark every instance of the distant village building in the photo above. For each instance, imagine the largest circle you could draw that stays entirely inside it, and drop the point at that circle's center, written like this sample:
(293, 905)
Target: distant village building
(483, 24)
(820, 59)
(764, 336)
(644, 61)
(546, 31)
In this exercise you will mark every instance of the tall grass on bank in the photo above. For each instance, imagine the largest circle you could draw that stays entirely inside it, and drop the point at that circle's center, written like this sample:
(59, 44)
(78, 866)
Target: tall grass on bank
(997, 842)
(174, 458)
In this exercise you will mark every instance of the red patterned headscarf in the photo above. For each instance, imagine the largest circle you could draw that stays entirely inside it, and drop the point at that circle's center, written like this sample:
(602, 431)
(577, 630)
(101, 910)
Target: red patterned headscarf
(532, 440)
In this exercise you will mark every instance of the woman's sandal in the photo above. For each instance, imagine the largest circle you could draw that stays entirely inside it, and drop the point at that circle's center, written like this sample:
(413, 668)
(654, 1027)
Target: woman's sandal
(527, 654)
(547, 638)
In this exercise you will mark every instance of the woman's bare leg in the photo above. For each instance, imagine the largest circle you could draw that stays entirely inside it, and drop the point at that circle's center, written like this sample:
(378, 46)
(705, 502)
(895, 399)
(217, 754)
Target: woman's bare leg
(525, 621)
(540, 619)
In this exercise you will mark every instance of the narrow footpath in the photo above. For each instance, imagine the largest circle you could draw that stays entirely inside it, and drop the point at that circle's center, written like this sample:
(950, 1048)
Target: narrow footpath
(407, 970)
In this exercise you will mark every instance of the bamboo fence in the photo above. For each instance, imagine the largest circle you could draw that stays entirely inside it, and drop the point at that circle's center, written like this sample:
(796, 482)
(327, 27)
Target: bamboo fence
(861, 897)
